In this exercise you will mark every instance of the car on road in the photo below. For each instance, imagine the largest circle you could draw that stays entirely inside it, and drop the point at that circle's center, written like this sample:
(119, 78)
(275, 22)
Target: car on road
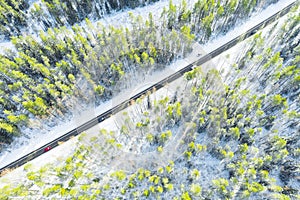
(47, 148)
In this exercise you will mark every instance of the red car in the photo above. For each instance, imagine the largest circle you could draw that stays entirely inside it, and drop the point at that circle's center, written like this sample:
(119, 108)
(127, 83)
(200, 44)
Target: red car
(47, 148)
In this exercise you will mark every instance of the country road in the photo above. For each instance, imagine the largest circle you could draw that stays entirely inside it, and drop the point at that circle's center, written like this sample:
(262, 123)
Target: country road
(158, 85)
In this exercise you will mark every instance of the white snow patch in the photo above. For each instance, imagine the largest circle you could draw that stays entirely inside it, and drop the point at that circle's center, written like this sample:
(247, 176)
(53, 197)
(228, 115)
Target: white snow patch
(5, 46)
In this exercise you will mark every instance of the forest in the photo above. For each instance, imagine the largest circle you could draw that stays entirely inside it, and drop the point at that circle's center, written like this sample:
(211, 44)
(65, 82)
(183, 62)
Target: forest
(229, 131)
(44, 70)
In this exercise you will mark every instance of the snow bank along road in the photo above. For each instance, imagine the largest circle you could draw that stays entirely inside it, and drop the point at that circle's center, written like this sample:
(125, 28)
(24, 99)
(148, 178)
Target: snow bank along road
(87, 125)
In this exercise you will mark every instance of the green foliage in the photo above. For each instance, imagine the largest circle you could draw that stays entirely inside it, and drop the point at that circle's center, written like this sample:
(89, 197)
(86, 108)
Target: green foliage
(235, 131)
(99, 89)
(196, 189)
(44, 71)
(186, 196)
(220, 184)
(6, 127)
(278, 196)
(225, 119)
(120, 175)
(255, 187)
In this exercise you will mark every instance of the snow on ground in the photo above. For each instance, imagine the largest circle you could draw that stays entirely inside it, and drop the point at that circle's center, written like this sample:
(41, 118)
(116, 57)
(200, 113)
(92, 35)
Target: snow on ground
(238, 30)
(24, 145)
(60, 153)
(5, 45)
(116, 18)
(155, 8)
(54, 156)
